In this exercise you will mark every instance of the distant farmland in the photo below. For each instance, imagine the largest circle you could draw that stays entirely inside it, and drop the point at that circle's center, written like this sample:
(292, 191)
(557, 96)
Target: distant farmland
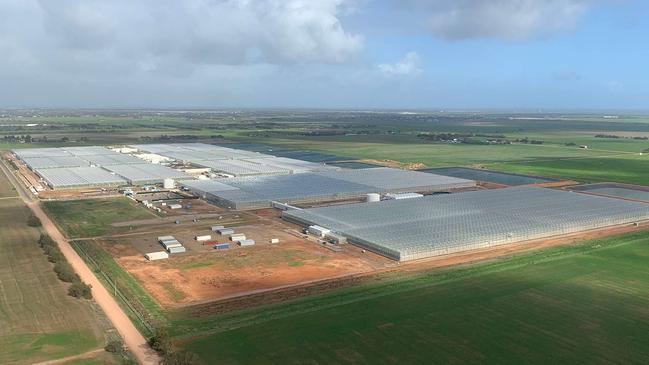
(584, 303)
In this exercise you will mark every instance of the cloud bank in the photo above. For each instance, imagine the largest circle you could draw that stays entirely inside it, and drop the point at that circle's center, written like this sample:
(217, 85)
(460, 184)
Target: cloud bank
(502, 19)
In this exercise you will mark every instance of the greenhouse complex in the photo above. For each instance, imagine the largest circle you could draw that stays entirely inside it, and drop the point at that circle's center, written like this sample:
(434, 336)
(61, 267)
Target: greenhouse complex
(423, 227)
(259, 192)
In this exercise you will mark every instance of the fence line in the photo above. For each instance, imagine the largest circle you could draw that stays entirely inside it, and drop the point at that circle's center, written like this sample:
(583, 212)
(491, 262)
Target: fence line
(116, 291)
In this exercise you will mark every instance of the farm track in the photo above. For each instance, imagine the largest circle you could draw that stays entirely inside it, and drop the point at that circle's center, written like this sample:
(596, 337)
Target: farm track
(135, 342)
(70, 358)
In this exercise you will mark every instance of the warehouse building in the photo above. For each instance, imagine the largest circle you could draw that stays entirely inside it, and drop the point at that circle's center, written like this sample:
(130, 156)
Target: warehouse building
(260, 192)
(410, 229)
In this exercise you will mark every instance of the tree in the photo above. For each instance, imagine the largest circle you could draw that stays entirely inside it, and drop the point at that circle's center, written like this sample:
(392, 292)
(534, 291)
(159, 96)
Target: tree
(115, 346)
(33, 221)
(65, 272)
(79, 289)
(161, 340)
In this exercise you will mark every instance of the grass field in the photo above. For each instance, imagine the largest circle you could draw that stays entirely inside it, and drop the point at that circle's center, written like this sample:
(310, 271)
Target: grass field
(38, 320)
(583, 303)
(628, 169)
(615, 160)
(93, 217)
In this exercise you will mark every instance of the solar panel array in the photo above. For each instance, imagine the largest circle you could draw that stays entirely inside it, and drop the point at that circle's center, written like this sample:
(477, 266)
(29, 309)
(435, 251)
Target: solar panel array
(436, 225)
(77, 177)
(258, 192)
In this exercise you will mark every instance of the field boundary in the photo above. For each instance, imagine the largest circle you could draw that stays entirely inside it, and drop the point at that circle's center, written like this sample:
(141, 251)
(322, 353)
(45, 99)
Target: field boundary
(112, 286)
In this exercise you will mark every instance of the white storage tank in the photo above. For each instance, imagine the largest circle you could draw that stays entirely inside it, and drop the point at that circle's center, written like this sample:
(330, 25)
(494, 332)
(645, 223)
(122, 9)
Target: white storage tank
(159, 255)
(373, 197)
(168, 183)
(206, 237)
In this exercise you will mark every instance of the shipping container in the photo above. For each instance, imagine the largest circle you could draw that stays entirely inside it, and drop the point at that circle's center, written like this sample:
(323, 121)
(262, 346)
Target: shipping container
(170, 245)
(237, 237)
(336, 238)
(165, 238)
(318, 231)
(206, 237)
(169, 242)
(222, 246)
(175, 206)
(225, 231)
(179, 249)
(274, 240)
(246, 242)
(216, 228)
(159, 255)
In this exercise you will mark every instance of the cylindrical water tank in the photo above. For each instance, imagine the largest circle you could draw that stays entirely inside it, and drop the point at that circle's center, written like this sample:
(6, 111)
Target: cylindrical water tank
(373, 197)
(168, 184)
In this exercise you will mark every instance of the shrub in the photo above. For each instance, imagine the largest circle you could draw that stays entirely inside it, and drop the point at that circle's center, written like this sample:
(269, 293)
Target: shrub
(54, 255)
(33, 221)
(45, 240)
(79, 289)
(115, 346)
(65, 272)
(161, 340)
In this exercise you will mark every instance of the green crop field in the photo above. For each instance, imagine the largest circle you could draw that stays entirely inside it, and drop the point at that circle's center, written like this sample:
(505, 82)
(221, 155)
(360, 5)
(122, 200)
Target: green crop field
(628, 169)
(93, 217)
(584, 303)
(38, 320)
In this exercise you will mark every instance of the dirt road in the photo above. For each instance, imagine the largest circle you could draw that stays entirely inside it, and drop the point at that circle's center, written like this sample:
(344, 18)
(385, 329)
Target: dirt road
(135, 342)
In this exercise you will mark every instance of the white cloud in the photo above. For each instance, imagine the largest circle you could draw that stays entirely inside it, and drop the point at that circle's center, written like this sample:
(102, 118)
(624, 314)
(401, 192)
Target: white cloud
(189, 32)
(504, 19)
(409, 65)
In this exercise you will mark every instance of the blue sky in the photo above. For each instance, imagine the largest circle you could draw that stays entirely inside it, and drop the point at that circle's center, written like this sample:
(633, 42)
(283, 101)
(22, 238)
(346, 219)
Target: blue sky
(402, 54)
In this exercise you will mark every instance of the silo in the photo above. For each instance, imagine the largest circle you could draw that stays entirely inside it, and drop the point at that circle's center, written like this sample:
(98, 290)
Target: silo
(168, 184)
(373, 197)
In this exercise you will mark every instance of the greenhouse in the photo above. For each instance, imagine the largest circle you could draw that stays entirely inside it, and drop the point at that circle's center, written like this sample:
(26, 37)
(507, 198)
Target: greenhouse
(36, 163)
(241, 167)
(260, 191)
(112, 159)
(78, 177)
(442, 224)
(138, 174)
